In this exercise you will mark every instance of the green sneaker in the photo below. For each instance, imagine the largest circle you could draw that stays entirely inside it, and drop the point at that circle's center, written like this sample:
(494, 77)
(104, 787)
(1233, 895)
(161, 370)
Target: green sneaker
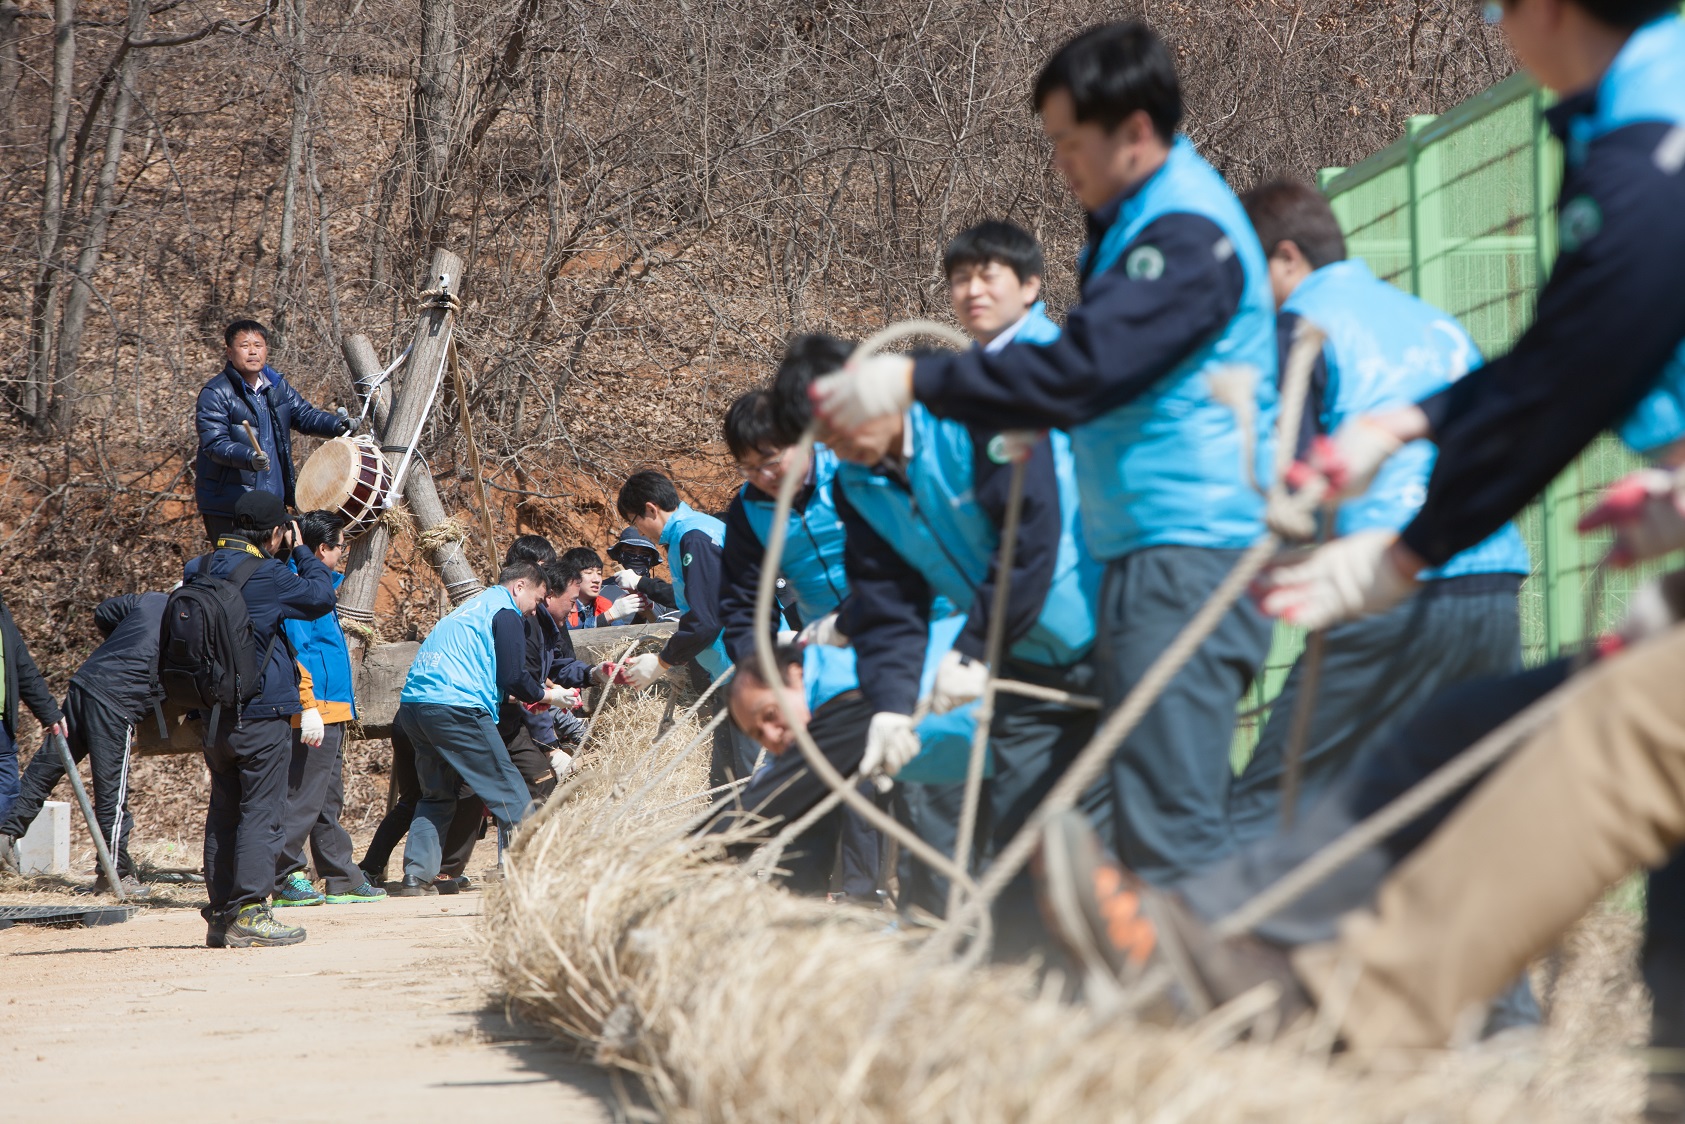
(296, 889)
(256, 927)
(364, 893)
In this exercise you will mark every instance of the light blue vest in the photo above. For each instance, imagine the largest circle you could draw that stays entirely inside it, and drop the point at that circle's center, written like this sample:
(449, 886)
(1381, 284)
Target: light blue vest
(457, 663)
(1166, 468)
(1037, 328)
(1386, 348)
(944, 739)
(682, 522)
(813, 565)
(1645, 83)
(939, 528)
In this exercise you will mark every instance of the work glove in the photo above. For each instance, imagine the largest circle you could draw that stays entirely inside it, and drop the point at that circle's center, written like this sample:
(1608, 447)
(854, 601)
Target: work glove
(871, 388)
(823, 631)
(640, 671)
(604, 673)
(621, 608)
(1646, 510)
(311, 728)
(260, 460)
(891, 742)
(1654, 608)
(562, 762)
(1348, 461)
(1348, 578)
(347, 424)
(627, 579)
(562, 698)
(959, 680)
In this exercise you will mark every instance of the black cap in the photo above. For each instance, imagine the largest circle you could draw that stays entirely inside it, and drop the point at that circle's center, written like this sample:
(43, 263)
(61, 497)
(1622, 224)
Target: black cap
(258, 513)
(630, 537)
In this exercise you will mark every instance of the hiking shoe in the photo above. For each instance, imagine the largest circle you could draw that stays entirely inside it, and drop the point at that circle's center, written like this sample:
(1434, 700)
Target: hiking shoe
(256, 927)
(375, 875)
(295, 889)
(413, 887)
(364, 893)
(445, 884)
(8, 854)
(133, 887)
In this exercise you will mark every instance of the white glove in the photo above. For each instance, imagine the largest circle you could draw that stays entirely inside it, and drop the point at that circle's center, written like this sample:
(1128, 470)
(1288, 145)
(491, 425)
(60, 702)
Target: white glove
(1348, 460)
(823, 631)
(562, 762)
(785, 636)
(891, 742)
(959, 680)
(872, 388)
(1646, 510)
(1654, 608)
(562, 698)
(603, 674)
(640, 671)
(1348, 578)
(311, 728)
(627, 579)
(622, 608)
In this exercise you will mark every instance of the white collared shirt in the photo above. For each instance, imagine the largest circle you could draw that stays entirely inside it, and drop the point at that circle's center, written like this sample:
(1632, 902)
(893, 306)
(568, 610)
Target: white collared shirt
(1006, 335)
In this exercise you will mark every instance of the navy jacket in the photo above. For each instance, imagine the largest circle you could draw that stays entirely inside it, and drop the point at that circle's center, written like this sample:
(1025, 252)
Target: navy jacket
(274, 594)
(223, 471)
(550, 656)
(123, 671)
(23, 680)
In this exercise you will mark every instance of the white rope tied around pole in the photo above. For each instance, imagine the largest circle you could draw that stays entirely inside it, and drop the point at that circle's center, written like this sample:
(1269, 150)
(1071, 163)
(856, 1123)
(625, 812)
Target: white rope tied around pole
(377, 381)
(440, 298)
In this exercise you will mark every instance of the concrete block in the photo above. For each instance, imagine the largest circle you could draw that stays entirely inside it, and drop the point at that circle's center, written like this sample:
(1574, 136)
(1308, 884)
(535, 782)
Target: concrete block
(45, 847)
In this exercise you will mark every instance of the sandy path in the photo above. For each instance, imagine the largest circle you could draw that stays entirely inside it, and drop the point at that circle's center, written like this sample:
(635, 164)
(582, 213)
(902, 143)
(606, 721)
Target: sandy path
(380, 1015)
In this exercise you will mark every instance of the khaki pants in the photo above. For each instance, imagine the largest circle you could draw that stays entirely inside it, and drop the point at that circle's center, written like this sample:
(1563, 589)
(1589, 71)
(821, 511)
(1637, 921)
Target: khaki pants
(1599, 792)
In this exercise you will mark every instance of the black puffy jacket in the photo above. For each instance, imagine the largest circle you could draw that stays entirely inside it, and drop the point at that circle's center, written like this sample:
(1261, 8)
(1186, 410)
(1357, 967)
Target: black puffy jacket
(223, 470)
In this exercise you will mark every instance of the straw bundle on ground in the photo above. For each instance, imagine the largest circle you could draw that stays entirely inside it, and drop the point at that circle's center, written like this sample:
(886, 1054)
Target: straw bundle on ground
(734, 1001)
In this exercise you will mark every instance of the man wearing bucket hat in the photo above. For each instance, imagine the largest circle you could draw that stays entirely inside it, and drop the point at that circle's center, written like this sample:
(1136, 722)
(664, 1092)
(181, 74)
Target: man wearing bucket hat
(638, 558)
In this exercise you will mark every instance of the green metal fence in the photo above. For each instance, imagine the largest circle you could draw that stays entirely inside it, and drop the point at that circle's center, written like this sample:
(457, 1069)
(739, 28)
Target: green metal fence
(1460, 211)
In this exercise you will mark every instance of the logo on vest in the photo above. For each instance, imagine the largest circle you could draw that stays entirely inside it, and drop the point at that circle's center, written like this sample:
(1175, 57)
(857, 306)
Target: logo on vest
(1580, 222)
(685, 561)
(1145, 263)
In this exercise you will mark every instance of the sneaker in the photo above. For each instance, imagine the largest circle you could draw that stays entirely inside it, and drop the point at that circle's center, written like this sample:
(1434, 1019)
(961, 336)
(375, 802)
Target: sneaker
(376, 876)
(255, 927)
(446, 884)
(133, 887)
(413, 887)
(295, 889)
(8, 854)
(364, 893)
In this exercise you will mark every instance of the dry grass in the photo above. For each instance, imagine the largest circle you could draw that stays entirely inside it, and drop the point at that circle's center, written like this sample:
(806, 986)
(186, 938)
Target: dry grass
(732, 1000)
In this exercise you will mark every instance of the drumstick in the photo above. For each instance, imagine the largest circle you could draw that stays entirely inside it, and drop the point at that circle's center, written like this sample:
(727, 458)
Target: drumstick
(251, 435)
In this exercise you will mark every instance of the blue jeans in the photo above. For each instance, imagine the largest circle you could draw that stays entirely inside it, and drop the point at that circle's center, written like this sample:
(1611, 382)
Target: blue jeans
(455, 745)
(1376, 673)
(1168, 784)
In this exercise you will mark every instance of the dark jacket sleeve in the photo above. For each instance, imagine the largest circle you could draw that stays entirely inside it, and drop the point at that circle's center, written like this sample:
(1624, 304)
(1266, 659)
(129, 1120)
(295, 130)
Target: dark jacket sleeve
(31, 685)
(1608, 318)
(1313, 420)
(308, 594)
(212, 420)
(540, 724)
(566, 668)
(307, 418)
(1127, 333)
(110, 612)
(509, 642)
(886, 615)
(700, 625)
(1037, 552)
(740, 579)
(658, 590)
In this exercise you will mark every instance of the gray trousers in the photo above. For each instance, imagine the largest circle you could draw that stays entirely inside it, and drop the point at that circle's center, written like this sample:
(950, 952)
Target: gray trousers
(315, 795)
(455, 745)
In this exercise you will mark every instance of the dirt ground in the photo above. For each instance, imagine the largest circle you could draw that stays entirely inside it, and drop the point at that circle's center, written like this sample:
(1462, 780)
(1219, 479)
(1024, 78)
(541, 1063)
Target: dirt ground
(382, 1014)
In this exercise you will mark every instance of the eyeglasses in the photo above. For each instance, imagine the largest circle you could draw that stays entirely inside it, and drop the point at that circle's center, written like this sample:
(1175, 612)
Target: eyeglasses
(764, 470)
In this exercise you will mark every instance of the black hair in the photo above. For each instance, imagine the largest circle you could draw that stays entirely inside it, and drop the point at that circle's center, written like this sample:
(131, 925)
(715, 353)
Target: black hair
(1112, 70)
(749, 426)
(239, 326)
(1627, 13)
(784, 655)
(995, 240)
(529, 548)
(560, 574)
(806, 358)
(583, 557)
(515, 571)
(647, 487)
(1293, 211)
(320, 527)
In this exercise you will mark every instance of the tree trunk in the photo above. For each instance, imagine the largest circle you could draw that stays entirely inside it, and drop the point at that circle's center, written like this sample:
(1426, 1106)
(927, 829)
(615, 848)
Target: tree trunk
(433, 118)
(43, 310)
(10, 15)
(295, 158)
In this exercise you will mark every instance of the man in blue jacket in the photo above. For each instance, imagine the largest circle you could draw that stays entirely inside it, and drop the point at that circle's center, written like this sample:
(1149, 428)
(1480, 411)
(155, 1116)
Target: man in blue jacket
(115, 688)
(539, 738)
(249, 754)
(1176, 325)
(249, 392)
(316, 776)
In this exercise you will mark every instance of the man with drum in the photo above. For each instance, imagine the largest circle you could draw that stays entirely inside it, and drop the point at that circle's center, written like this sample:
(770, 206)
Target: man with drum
(246, 417)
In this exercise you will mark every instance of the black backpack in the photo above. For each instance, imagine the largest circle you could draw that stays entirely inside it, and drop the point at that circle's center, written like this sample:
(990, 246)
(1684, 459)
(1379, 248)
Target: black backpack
(206, 647)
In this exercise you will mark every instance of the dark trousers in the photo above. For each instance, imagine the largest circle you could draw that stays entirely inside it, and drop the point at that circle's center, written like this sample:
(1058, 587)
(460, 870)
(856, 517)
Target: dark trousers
(248, 763)
(100, 734)
(932, 812)
(8, 773)
(532, 761)
(1376, 673)
(1169, 781)
(459, 837)
(216, 526)
(315, 795)
(787, 790)
(861, 858)
(455, 746)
